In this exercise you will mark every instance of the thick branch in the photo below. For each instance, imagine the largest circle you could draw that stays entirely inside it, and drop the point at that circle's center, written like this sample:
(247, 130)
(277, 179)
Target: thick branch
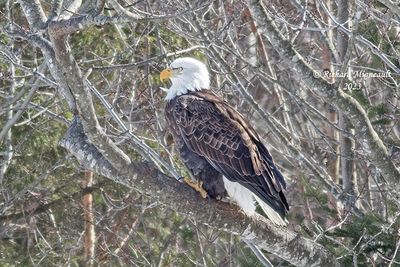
(34, 13)
(77, 23)
(93, 158)
(376, 150)
(148, 180)
(71, 79)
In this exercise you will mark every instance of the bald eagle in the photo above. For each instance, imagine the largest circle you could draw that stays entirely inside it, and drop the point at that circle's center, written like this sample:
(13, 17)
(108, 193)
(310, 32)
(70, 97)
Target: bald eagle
(218, 145)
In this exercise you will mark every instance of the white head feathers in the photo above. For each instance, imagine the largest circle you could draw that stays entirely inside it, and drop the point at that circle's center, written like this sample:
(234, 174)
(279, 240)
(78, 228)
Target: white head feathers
(186, 74)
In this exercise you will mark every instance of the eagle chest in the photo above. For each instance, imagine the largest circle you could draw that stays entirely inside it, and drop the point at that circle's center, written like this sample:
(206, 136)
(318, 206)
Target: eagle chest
(184, 111)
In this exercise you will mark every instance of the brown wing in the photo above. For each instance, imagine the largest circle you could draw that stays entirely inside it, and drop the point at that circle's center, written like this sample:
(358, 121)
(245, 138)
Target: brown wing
(215, 131)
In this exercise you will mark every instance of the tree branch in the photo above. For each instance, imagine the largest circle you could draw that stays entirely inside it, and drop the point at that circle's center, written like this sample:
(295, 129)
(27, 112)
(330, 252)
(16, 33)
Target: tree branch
(34, 13)
(71, 79)
(99, 6)
(149, 181)
(56, 6)
(391, 6)
(15, 118)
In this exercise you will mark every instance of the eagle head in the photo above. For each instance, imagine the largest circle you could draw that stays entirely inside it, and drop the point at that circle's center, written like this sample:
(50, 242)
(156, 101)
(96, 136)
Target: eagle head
(186, 74)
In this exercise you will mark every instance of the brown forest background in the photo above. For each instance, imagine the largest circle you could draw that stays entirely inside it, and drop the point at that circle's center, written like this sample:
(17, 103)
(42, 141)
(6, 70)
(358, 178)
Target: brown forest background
(87, 167)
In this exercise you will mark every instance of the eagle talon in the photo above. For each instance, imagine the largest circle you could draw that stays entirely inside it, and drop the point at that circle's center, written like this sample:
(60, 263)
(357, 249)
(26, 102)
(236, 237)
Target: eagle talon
(198, 186)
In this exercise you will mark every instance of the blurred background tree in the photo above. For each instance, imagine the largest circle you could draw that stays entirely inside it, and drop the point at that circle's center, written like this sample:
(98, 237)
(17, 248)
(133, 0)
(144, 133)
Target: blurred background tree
(319, 80)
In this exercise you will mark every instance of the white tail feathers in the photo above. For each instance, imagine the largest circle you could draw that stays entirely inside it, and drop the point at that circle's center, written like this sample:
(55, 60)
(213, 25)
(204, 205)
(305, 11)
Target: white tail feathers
(241, 195)
(245, 199)
(271, 213)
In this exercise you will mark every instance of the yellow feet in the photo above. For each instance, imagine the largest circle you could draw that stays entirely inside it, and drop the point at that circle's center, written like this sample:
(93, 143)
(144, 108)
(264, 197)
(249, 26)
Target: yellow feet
(196, 186)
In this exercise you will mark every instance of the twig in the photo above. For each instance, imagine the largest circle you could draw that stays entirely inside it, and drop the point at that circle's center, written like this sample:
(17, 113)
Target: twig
(259, 254)
(144, 148)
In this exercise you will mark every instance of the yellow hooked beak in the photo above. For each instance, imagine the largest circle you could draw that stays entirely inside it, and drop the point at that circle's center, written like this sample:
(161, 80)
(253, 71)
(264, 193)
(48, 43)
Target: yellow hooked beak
(166, 74)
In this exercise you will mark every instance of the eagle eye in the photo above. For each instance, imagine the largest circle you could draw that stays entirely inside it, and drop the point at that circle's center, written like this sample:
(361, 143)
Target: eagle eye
(178, 69)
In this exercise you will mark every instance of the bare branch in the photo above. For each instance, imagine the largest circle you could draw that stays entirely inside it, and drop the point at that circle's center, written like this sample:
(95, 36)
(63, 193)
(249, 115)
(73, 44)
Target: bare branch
(374, 146)
(122, 10)
(89, 220)
(273, 124)
(149, 181)
(15, 118)
(391, 6)
(71, 9)
(34, 13)
(99, 6)
(152, 59)
(143, 148)
(56, 6)
(362, 40)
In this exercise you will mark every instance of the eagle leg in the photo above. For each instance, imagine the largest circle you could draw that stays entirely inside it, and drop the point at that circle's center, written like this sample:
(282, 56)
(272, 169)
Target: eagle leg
(198, 186)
